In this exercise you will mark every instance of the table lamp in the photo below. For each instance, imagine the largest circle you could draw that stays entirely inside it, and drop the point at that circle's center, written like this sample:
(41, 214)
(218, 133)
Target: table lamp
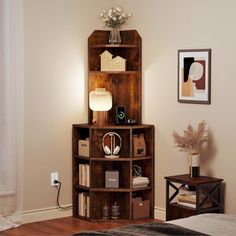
(100, 101)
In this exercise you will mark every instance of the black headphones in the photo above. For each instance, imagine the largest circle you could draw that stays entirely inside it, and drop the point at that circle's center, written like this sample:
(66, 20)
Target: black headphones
(114, 149)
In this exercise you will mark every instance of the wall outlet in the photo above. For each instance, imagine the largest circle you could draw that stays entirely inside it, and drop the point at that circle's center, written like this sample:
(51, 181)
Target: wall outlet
(54, 176)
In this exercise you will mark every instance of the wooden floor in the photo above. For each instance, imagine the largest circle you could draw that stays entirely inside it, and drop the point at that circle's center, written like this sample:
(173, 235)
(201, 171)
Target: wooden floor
(64, 227)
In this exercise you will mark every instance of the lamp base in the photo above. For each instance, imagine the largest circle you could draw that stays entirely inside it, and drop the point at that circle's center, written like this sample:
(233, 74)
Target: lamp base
(99, 118)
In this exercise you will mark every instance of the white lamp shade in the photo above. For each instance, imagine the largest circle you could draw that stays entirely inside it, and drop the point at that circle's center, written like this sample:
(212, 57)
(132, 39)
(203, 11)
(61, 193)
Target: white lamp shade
(100, 100)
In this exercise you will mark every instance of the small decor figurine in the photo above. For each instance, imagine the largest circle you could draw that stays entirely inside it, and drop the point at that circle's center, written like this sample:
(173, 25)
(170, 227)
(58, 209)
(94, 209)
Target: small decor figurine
(115, 211)
(137, 171)
(114, 18)
(191, 142)
(105, 212)
(108, 63)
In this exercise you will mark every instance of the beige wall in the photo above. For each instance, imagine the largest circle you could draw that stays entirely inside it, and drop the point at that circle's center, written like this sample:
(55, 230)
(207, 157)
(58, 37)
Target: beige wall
(166, 26)
(56, 34)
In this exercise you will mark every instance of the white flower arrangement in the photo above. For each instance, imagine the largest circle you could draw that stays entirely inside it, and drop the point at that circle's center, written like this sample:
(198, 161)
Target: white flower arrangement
(114, 17)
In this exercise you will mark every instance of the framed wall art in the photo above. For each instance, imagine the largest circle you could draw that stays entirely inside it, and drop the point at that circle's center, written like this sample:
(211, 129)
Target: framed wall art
(194, 76)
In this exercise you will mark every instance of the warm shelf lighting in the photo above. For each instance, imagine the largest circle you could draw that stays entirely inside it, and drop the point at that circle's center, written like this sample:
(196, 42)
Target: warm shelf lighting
(100, 101)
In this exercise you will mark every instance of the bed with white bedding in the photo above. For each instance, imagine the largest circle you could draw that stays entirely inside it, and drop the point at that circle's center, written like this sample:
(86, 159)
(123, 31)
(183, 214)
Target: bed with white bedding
(209, 223)
(203, 224)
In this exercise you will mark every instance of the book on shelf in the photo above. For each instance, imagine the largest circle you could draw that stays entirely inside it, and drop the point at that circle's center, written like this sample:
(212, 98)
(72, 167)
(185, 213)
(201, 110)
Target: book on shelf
(140, 186)
(185, 191)
(84, 204)
(140, 179)
(87, 205)
(187, 204)
(193, 205)
(87, 177)
(80, 174)
(189, 199)
(84, 175)
(140, 182)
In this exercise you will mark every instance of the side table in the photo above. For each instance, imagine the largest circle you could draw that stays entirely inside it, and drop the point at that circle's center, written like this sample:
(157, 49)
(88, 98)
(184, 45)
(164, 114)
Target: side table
(208, 187)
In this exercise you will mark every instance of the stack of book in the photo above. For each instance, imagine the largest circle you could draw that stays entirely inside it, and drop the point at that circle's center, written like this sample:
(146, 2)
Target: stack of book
(84, 204)
(84, 175)
(140, 182)
(189, 199)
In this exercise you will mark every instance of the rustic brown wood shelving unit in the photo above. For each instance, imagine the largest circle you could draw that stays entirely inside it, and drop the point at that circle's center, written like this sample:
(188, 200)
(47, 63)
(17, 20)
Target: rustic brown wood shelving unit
(126, 90)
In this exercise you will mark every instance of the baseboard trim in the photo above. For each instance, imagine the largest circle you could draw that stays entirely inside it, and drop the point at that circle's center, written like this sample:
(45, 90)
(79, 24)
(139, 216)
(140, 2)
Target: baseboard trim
(45, 214)
(160, 213)
(55, 213)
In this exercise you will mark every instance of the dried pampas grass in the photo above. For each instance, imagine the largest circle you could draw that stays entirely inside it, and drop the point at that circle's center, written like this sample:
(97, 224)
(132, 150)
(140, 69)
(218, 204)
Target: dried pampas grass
(191, 140)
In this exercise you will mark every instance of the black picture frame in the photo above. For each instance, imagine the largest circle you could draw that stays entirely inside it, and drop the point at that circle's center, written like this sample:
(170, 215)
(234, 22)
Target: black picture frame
(194, 76)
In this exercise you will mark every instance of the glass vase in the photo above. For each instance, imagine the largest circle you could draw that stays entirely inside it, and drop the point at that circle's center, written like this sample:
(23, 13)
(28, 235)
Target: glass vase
(194, 166)
(114, 37)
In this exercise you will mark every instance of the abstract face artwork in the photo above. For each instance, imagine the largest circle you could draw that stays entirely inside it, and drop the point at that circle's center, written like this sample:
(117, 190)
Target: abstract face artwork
(194, 76)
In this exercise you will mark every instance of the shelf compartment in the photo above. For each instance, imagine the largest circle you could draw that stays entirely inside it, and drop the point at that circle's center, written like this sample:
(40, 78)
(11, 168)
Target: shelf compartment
(131, 54)
(201, 210)
(147, 169)
(148, 137)
(174, 208)
(129, 38)
(96, 142)
(179, 211)
(109, 198)
(78, 133)
(76, 191)
(125, 89)
(146, 194)
(99, 169)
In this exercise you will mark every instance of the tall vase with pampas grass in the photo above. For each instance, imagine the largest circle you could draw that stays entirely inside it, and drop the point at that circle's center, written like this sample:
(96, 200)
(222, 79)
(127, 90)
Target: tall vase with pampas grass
(191, 142)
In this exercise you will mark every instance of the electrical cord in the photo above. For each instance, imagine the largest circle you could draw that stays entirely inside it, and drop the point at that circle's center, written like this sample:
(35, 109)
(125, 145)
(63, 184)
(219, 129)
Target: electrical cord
(58, 185)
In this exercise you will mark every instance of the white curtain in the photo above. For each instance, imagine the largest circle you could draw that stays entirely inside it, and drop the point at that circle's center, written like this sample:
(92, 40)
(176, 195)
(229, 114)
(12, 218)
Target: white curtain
(11, 113)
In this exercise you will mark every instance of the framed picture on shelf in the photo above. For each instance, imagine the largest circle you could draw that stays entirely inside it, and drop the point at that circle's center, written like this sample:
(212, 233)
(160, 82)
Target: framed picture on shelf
(194, 76)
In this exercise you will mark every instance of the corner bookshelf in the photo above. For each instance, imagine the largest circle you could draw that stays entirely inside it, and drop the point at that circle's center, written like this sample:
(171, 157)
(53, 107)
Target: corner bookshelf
(126, 89)
(99, 194)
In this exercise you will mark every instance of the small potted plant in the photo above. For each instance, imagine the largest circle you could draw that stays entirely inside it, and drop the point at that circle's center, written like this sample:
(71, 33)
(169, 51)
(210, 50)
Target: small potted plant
(114, 18)
(191, 142)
